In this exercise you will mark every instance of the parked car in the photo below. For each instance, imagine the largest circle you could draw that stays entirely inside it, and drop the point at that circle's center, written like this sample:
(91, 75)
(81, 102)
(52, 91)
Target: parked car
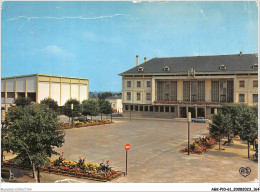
(199, 119)
(81, 119)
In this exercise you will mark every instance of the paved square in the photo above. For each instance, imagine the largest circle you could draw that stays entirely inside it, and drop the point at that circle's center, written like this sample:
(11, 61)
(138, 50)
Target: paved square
(155, 155)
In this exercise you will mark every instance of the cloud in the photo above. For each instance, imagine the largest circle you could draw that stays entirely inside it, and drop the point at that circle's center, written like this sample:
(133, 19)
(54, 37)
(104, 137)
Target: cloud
(58, 52)
(203, 14)
(67, 17)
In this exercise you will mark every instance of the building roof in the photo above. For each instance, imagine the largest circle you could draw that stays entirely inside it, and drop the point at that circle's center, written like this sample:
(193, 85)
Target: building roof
(42, 75)
(201, 64)
(115, 97)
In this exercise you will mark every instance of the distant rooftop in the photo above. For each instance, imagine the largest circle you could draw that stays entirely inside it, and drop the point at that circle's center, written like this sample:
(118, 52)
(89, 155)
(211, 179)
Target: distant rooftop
(115, 97)
(204, 64)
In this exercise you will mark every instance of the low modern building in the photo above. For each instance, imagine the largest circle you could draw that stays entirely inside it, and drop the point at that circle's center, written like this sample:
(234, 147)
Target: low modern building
(116, 103)
(172, 87)
(39, 86)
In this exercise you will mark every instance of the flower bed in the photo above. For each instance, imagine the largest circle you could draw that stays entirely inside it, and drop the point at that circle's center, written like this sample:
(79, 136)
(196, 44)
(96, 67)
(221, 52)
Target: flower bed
(201, 145)
(80, 169)
(100, 172)
(76, 124)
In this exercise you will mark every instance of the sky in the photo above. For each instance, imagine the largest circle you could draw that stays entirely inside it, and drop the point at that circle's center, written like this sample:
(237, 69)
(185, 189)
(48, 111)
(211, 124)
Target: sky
(99, 40)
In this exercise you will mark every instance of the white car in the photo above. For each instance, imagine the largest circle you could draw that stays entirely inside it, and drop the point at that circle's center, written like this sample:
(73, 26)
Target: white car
(199, 119)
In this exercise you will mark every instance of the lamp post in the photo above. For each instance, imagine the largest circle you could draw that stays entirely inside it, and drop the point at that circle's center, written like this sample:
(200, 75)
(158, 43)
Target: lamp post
(189, 120)
(71, 106)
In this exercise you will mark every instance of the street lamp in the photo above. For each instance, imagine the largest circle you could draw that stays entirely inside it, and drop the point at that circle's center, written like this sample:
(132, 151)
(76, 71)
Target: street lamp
(71, 106)
(189, 120)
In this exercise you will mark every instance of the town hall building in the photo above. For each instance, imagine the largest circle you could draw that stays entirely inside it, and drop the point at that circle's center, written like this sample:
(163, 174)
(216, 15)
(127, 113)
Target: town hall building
(171, 87)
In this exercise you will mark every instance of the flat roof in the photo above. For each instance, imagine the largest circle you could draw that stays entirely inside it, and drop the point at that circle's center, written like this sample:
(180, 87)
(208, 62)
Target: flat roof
(42, 75)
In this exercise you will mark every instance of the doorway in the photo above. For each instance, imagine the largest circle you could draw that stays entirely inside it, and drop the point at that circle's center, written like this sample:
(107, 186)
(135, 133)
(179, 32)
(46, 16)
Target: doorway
(192, 111)
(201, 112)
(183, 112)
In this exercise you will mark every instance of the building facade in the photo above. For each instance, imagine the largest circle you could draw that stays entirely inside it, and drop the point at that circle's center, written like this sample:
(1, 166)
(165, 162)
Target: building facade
(39, 86)
(116, 103)
(172, 87)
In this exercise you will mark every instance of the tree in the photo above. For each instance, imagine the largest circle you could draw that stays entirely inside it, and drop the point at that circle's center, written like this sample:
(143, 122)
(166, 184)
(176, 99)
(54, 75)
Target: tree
(34, 132)
(22, 101)
(238, 118)
(104, 95)
(236, 112)
(76, 108)
(105, 107)
(5, 141)
(249, 126)
(221, 125)
(50, 103)
(90, 107)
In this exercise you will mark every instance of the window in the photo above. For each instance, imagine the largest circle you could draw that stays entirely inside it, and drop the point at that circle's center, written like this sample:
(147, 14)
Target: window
(241, 98)
(151, 108)
(2, 94)
(156, 108)
(222, 67)
(136, 107)
(146, 108)
(128, 95)
(255, 98)
(255, 66)
(186, 90)
(241, 83)
(32, 96)
(138, 96)
(255, 83)
(10, 94)
(126, 107)
(128, 83)
(20, 94)
(148, 96)
(222, 91)
(148, 83)
(140, 69)
(166, 90)
(162, 109)
(131, 107)
(172, 109)
(166, 109)
(141, 108)
(212, 110)
(138, 84)
(114, 105)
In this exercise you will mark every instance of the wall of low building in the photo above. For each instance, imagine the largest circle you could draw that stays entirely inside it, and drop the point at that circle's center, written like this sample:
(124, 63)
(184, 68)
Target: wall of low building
(41, 86)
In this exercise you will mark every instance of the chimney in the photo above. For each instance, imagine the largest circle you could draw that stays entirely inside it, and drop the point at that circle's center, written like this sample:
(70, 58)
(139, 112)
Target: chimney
(144, 59)
(240, 53)
(136, 60)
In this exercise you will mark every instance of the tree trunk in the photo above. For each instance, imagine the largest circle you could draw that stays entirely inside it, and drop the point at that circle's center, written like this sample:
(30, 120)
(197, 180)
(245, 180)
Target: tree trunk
(248, 146)
(34, 173)
(69, 120)
(2, 156)
(219, 142)
(228, 136)
(91, 117)
(101, 116)
(38, 174)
